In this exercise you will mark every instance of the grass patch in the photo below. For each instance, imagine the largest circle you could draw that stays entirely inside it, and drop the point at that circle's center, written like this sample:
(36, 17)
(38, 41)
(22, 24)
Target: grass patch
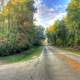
(27, 55)
(73, 50)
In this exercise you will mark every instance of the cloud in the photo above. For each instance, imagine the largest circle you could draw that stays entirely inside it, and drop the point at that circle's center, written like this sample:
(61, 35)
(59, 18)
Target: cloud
(42, 9)
(61, 6)
(57, 17)
(43, 13)
(46, 15)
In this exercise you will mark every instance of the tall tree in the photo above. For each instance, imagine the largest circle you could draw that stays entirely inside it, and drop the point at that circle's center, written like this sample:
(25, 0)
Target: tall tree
(73, 20)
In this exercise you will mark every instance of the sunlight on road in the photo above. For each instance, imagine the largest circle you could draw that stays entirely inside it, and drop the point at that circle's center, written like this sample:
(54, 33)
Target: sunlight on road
(45, 42)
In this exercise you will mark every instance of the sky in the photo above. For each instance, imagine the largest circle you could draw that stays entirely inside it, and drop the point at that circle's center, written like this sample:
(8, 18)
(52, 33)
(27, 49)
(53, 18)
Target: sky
(48, 11)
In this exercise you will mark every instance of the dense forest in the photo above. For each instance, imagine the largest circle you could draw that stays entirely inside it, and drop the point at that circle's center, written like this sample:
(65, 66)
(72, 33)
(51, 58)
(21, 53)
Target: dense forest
(17, 31)
(66, 32)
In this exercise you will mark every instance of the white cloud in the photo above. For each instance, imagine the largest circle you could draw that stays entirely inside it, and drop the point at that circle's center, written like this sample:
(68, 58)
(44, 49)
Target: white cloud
(45, 16)
(57, 17)
(61, 6)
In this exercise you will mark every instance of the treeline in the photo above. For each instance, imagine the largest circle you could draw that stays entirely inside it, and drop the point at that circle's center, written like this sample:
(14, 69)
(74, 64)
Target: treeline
(17, 31)
(66, 32)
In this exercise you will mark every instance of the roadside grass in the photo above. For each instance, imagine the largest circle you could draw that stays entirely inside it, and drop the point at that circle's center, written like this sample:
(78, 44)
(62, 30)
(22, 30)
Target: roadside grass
(27, 55)
(72, 50)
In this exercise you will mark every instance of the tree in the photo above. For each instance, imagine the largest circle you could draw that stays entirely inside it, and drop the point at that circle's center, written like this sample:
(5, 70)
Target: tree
(60, 35)
(39, 35)
(73, 19)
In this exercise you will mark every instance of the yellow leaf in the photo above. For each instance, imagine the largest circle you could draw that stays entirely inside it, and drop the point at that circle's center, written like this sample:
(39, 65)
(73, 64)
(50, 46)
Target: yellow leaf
(5, 12)
(51, 29)
(21, 1)
(9, 6)
(14, 2)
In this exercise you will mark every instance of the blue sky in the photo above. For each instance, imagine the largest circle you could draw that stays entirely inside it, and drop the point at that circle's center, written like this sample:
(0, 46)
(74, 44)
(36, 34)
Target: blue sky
(49, 10)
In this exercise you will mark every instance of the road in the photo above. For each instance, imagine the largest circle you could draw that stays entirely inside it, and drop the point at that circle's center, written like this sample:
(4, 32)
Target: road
(53, 64)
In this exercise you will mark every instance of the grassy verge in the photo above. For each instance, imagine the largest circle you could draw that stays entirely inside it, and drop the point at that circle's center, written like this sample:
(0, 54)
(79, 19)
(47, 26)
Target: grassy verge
(73, 50)
(27, 55)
